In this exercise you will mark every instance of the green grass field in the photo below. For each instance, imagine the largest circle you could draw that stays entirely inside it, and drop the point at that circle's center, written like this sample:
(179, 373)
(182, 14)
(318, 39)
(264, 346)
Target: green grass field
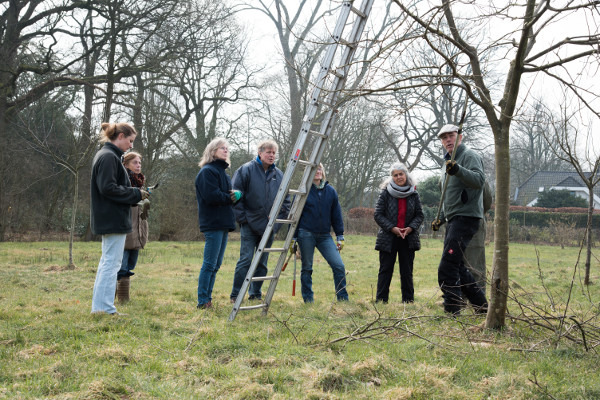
(51, 347)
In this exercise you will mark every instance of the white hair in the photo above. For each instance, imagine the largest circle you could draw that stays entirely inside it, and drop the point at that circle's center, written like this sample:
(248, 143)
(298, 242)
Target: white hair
(398, 166)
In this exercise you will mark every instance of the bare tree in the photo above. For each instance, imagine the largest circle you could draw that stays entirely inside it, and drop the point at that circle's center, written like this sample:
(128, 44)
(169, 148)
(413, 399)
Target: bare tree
(44, 46)
(519, 37)
(576, 148)
(528, 150)
(356, 156)
(295, 25)
(73, 155)
(421, 101)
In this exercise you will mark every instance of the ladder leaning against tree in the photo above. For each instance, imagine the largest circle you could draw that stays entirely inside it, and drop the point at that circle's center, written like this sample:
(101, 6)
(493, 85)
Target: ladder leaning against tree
(317, 124)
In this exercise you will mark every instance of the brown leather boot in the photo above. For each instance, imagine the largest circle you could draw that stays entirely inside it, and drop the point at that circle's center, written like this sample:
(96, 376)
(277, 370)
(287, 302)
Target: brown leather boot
(123, 289)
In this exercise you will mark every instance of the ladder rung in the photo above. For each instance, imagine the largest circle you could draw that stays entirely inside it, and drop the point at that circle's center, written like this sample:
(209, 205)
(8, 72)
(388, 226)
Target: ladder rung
(325, 103)
(347, 43)
(253, 307)
(323, 100)
(298, 192)
(307, 163)
(358, 12)
(339, 75)
(317, 133)
(262, 278)
(274, 249)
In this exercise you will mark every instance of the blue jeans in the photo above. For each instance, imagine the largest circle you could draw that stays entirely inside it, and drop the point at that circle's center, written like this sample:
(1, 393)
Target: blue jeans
(326, 246)
(130, 258)
(249, 244)
(214, 249)
(103, 298)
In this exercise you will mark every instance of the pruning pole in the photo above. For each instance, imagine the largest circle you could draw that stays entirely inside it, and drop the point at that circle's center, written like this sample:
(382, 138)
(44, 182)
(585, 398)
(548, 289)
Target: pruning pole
(460, 126)
(294, 283)
(286, 262)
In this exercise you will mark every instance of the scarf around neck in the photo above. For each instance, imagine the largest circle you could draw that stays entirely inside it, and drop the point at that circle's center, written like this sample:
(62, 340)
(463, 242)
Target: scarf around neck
(321, 184)
(399, 192)
(137, 180)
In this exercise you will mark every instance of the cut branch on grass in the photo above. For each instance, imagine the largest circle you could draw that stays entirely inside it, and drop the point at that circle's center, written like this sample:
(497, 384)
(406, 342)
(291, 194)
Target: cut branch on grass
(286, 325)
(542, 388)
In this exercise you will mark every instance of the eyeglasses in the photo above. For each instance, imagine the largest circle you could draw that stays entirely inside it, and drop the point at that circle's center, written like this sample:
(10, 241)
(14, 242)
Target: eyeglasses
(224, 148)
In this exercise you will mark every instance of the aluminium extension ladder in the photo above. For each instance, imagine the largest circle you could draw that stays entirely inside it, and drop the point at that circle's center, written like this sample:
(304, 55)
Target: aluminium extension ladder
(318, 123)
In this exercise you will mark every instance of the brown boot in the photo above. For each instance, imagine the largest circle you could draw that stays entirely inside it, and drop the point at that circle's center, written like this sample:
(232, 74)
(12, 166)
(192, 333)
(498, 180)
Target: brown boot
(123, 289)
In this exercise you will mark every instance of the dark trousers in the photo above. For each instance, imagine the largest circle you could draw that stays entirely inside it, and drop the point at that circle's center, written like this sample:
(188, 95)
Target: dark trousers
(387, 261)
(454, 278)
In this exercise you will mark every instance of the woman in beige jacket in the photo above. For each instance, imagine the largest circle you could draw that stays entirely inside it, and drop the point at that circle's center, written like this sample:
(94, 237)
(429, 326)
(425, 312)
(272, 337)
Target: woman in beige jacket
(137, 239)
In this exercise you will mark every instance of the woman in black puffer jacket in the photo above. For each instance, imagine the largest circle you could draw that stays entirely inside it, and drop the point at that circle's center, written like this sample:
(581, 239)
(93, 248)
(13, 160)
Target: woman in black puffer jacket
(399, 215)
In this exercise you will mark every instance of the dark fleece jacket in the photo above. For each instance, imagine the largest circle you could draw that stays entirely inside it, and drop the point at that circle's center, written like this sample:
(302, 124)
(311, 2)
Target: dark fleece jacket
(111, 193)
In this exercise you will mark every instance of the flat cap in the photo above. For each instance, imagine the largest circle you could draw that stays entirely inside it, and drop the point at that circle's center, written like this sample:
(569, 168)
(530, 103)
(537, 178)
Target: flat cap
(448, 128)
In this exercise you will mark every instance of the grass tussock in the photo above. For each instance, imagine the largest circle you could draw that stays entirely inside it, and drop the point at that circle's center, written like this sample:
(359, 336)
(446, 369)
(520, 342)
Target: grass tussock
(164, 348)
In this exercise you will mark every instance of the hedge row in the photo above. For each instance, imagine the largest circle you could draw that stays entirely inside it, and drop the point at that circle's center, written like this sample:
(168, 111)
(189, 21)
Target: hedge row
(545, 219)
(560, 210)
(523, 216)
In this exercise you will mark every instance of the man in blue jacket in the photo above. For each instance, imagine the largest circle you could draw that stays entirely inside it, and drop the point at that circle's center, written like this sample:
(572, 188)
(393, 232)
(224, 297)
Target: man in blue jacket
(463, 209)
(259, 180)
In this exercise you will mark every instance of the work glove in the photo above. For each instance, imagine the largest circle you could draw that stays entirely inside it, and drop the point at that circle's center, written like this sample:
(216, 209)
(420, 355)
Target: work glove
(340, 242)
(294, 246)
(236, 195)
(145, 194)
(452, 167)
(435, 225)
(145, 204)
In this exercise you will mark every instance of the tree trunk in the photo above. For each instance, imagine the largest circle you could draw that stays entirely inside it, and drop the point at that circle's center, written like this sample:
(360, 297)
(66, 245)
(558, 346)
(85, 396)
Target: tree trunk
(137, 110)
(73, 218)
(588, 255)
(499, 283)
(110, 73)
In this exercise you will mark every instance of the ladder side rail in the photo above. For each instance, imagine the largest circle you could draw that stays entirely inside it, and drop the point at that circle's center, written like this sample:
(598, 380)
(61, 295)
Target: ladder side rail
(348, 54)
(326, 128)
(299, 203)
(333, 44)
(288, 240)
(355, 34)
(275, 209)
(243, 289)
(316, 154)
(318, 151)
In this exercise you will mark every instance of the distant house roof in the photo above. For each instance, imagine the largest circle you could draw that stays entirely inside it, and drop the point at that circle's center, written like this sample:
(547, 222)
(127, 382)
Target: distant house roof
(544, 180)
(570, 182)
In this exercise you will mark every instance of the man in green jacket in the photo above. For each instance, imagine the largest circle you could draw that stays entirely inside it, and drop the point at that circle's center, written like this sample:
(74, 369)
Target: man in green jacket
(462, 209)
